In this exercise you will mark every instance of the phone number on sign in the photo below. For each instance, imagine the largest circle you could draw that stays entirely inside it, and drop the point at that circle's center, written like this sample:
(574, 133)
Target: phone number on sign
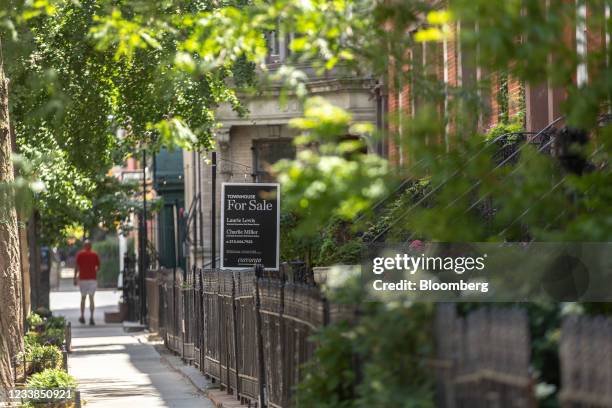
(44, 394)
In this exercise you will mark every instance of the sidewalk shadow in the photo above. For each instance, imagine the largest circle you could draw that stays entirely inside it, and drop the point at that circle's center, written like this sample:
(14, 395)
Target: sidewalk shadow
(101, 377)
(68, 304)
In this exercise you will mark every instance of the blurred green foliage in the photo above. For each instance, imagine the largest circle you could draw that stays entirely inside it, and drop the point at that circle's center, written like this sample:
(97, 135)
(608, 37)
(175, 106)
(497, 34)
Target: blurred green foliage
(45, 330)
(34, 320)
(53, 335)
(49, 379)
(52, 378)
(333, 169)
(377, 359)
(108, 251)
(40, 357)
(55, 322)
(60, 74)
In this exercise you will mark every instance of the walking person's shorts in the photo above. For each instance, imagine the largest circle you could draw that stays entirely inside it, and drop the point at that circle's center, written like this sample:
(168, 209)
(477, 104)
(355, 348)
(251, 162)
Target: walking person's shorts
(88, 286)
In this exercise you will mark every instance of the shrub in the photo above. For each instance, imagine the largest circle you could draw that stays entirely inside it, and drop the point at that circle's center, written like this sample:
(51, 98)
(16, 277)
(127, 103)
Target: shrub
(58, 322)
(329, 379)
(51, 378)
(341, 242)
(31, 338)
(34, 320)
(41, 357)
(53, 335)
(50, 332)
(108, 250)
(379, 360)
(515, 125)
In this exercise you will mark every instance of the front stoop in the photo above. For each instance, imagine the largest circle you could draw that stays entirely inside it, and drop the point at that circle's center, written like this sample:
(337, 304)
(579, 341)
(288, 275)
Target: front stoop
(116, 316)
(112, 317)
(221, 399)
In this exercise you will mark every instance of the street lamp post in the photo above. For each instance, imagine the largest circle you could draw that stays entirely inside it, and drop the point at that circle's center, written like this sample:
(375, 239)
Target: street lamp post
(144, 240)
(213, 219)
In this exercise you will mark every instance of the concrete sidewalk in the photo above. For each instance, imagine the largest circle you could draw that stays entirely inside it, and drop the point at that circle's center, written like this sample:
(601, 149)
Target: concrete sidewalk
(116, 369)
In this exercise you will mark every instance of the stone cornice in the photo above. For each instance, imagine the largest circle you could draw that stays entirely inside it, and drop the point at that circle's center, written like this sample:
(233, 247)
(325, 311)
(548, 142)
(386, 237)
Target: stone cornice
(319, 85)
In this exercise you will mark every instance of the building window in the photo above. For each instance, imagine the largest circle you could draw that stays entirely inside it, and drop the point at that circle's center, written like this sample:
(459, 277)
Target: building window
(268, 152)
(275, 45)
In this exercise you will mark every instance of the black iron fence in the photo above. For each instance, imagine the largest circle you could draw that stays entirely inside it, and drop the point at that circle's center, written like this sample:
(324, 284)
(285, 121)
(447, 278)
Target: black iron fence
(130, 286)
(154, 296)
(483, 359)
(24, 367)
(585, 353)
(251, 334)
(237, 327)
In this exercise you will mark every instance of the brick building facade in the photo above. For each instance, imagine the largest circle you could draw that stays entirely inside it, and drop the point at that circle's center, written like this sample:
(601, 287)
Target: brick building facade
(538, 104)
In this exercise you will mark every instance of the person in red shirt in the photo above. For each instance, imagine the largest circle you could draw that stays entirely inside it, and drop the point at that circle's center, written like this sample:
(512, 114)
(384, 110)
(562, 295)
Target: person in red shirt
(85, 271)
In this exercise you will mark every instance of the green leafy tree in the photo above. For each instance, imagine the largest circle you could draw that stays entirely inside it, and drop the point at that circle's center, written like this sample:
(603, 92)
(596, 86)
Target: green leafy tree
(67, 67)
(80, 105)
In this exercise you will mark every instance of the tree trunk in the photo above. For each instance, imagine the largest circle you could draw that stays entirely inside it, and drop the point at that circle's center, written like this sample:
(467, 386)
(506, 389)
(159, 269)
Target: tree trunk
(23, 245)
(11, 327)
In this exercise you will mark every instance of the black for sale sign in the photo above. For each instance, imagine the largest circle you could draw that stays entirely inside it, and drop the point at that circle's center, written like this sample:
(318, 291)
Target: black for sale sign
(250, 221)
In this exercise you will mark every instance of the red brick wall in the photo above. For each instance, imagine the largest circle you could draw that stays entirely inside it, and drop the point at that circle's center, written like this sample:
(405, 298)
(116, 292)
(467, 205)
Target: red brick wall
(452, 59)
(399, 107)
(452, 63)
(543, 103)
(515, 89)
(393, 102)
(493, 102)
